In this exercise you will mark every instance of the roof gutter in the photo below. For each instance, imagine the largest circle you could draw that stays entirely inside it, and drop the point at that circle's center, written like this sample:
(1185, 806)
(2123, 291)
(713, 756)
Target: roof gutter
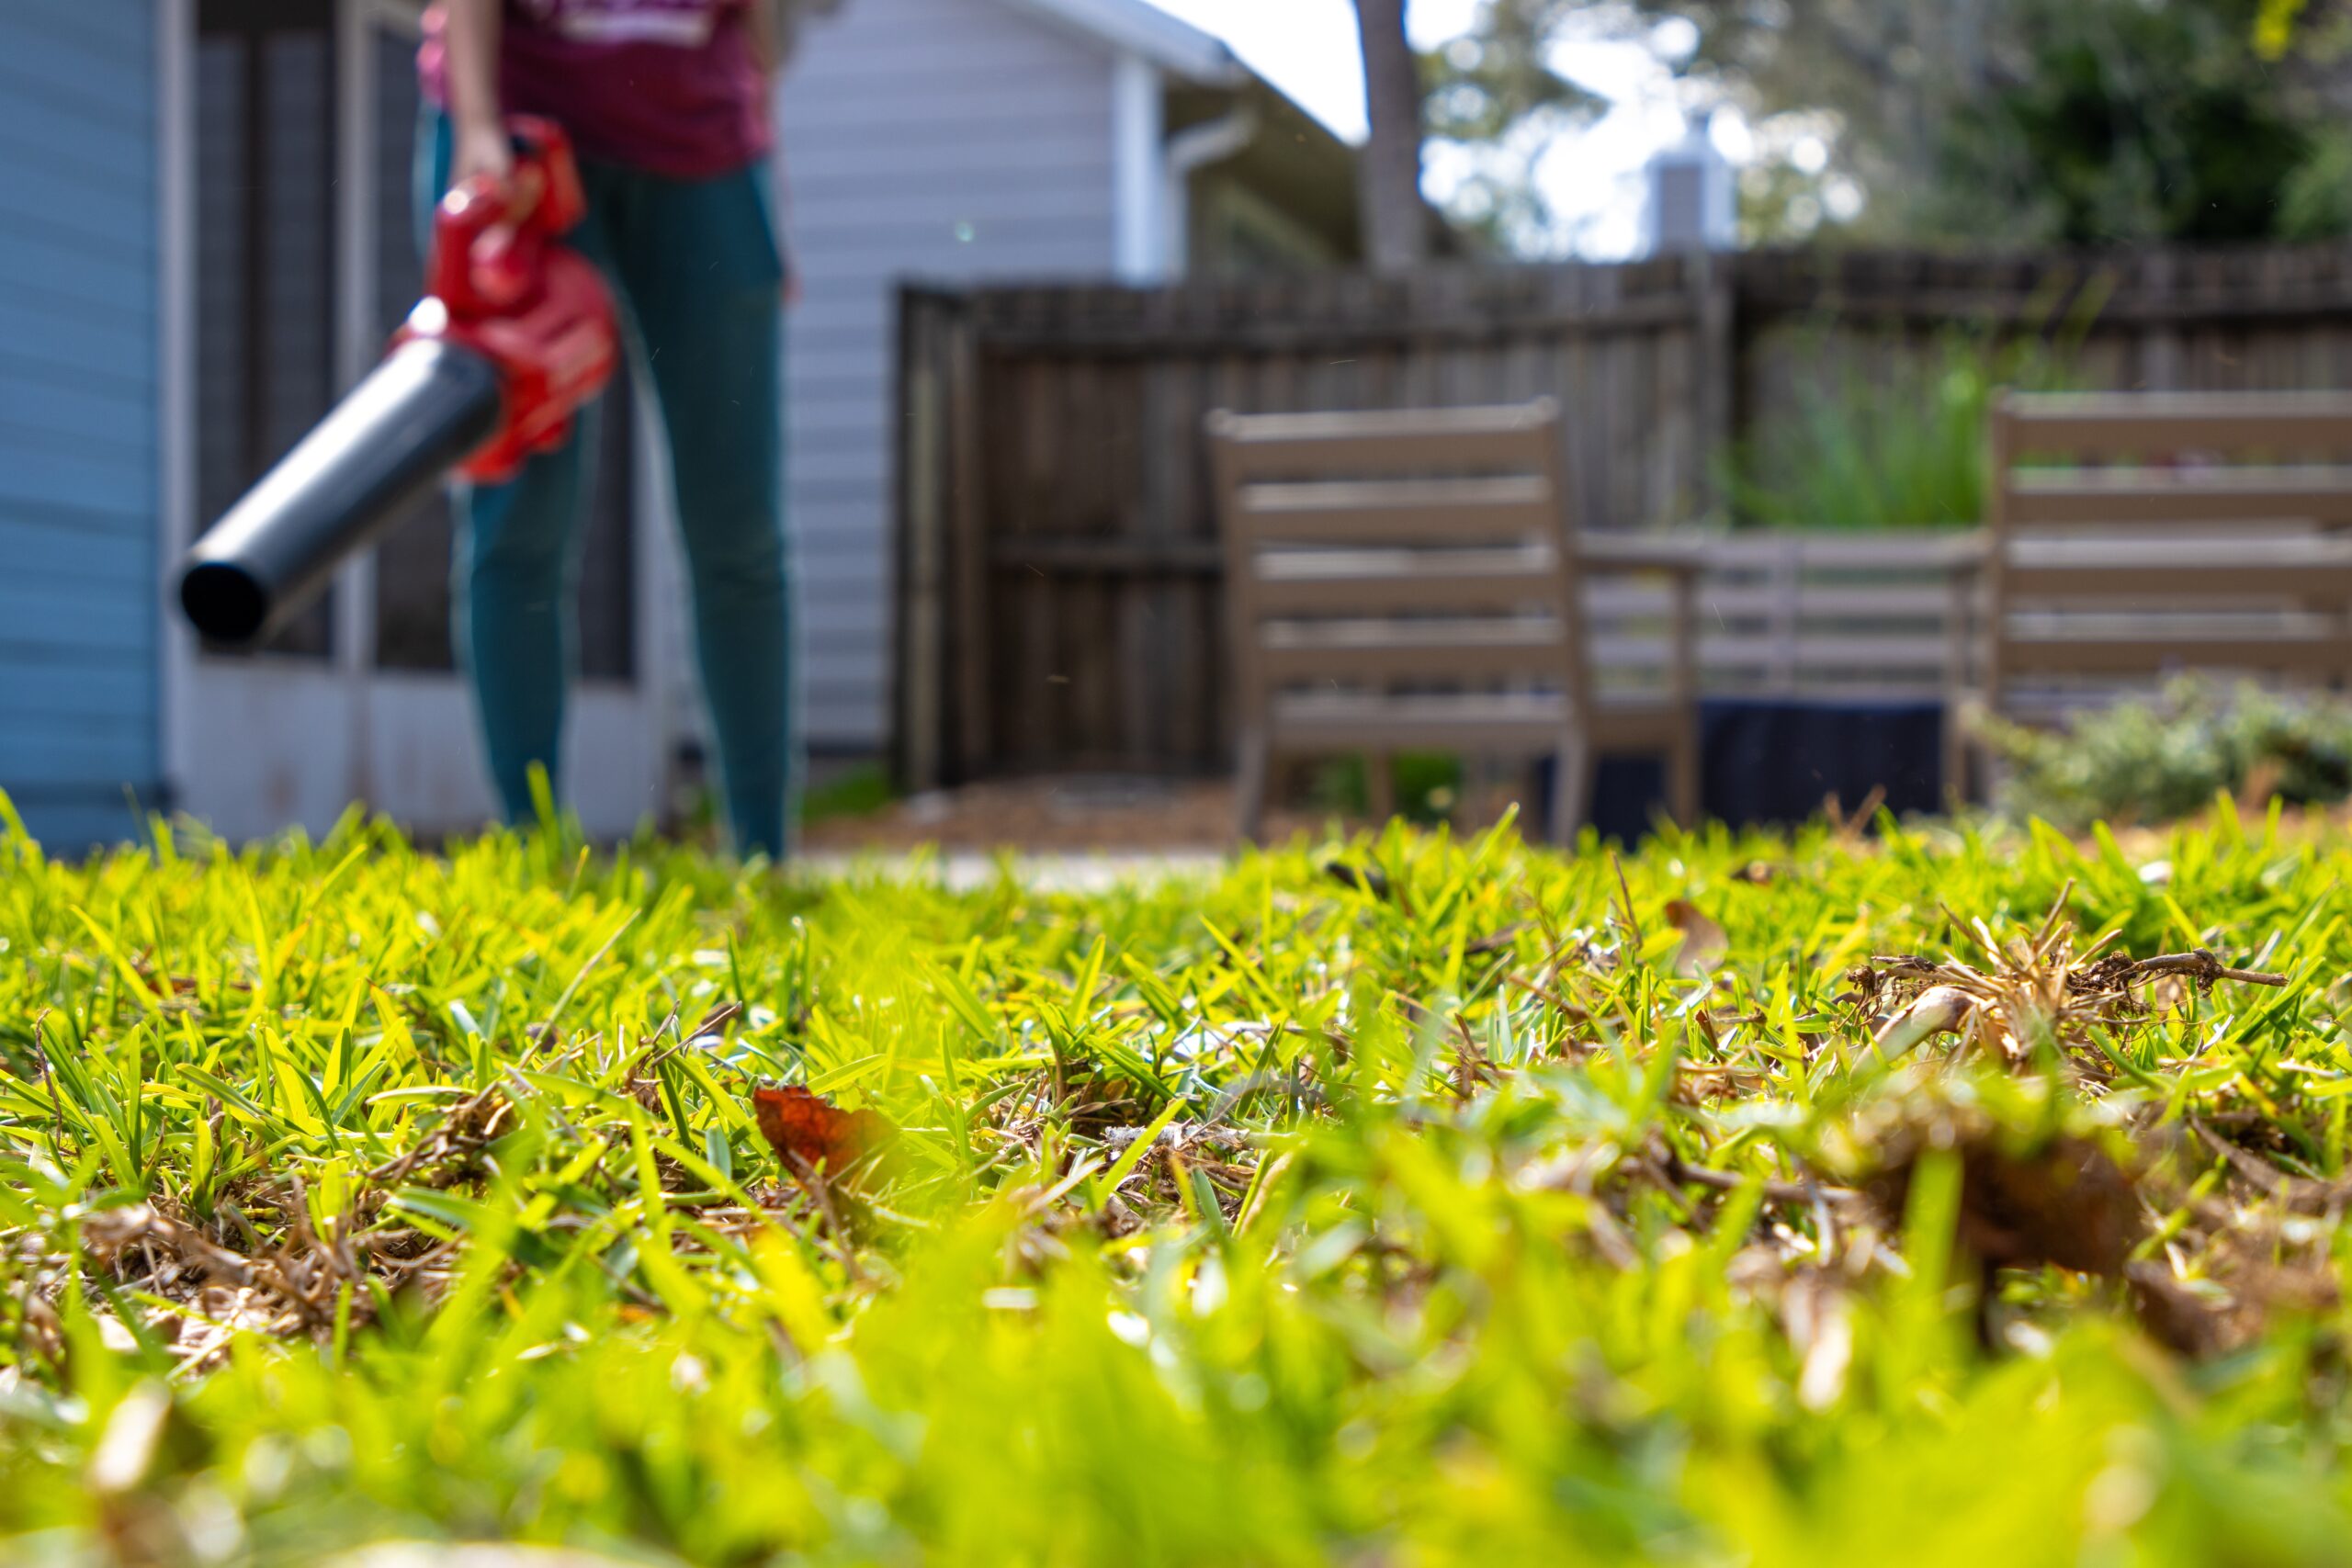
(1134, 26)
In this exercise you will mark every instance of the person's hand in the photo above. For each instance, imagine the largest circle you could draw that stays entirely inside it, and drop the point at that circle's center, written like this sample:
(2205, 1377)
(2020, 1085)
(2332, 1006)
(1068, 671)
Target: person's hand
(482, 149)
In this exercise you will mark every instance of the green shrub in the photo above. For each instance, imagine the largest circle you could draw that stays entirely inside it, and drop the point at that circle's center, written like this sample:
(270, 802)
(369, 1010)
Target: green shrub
(859, 791)
(1905, 449)
(2154, 762)
(1426, 786)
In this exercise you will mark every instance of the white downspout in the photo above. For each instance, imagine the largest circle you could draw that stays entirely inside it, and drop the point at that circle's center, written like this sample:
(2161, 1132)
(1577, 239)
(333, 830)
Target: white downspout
(175, 370)
(1195, 148)
(1137, 120)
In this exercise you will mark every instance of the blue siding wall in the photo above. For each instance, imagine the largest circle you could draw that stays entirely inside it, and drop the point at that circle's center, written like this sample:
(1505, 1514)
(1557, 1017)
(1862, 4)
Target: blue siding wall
(80, 405)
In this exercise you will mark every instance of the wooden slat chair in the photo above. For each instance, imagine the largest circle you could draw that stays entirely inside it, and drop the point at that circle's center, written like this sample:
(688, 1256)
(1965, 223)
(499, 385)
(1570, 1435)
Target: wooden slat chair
(2133, 535)
(1405, 580)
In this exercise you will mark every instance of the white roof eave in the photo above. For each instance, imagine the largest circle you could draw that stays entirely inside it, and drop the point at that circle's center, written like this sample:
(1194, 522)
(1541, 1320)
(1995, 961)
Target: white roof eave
(1135, 27)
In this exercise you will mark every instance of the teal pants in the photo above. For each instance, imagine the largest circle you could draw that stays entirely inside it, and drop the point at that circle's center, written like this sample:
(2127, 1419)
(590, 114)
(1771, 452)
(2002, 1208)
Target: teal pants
(699, 275)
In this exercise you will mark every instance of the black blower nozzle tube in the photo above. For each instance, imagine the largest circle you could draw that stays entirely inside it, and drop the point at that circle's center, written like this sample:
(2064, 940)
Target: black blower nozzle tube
(416, 416)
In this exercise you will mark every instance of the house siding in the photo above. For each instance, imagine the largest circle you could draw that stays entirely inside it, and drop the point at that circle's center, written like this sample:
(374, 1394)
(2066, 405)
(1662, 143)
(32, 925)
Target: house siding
(79, 409)
(942, 139)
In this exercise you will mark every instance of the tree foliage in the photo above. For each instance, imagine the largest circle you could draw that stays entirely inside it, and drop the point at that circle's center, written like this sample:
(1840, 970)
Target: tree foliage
(2111, 120)
(1496, 104)
(2018, 122)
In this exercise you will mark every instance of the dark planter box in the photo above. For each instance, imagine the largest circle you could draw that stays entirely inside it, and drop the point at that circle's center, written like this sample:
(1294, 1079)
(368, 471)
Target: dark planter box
(1774, 764)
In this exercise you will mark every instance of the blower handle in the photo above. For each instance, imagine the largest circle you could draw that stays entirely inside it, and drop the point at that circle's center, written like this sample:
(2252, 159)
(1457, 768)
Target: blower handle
(490, 235)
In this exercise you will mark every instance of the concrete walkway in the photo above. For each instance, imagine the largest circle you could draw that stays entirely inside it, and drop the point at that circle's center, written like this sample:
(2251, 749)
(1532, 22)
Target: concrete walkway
(963, 870)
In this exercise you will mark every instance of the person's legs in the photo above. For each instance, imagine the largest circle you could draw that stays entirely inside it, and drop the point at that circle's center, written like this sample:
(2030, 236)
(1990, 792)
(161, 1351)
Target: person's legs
(516, 586)
(699, 262)
(515, 577)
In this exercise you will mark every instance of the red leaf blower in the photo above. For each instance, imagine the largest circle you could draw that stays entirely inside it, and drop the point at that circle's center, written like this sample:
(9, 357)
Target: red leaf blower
(514, 337)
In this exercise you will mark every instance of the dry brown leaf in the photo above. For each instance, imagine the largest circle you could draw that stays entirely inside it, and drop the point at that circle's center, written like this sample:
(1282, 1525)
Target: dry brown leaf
(1704, 941)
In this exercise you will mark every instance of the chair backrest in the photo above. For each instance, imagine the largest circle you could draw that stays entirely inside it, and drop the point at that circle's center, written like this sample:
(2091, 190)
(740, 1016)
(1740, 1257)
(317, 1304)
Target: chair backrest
(2134, 534)
(1412, 550)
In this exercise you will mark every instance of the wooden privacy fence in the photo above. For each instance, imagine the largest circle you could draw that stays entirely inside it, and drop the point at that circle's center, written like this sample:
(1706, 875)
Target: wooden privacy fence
(1060, 593)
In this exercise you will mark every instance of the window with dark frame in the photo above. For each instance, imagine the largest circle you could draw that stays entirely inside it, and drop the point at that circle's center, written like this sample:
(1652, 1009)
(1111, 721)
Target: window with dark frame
(265, 253)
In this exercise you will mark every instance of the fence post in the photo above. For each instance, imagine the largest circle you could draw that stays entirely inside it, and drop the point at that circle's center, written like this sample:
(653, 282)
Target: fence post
(940, 575)
(967, 726)
(1717, 382)
(2160, 351)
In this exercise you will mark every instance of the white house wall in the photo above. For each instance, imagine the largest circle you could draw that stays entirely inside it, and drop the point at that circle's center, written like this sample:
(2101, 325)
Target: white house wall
(939, 140)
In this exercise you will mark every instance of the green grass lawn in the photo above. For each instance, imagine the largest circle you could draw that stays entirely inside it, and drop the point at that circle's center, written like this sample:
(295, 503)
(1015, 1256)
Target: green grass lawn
(1407, 1201)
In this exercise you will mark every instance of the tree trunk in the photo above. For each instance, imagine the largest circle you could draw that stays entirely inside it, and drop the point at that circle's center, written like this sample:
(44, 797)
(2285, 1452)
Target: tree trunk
(1389, 172)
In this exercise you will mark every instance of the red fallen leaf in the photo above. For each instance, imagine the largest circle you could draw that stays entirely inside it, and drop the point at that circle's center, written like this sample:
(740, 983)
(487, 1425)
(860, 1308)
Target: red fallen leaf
(808, 1130)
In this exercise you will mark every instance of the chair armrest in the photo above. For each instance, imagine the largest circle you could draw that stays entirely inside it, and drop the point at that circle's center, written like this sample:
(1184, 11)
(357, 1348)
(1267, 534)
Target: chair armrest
(1682, 556)
(1965, 555)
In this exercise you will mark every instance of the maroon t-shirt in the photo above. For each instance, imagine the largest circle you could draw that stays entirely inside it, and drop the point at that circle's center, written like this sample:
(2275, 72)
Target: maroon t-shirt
(672, 86)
